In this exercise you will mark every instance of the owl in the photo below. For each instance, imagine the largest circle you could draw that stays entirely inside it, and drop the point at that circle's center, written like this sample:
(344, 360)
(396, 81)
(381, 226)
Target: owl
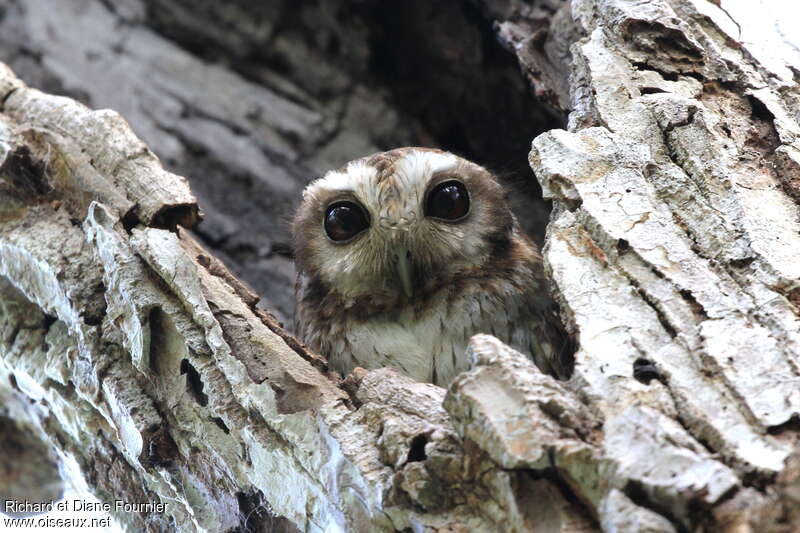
(402, 256)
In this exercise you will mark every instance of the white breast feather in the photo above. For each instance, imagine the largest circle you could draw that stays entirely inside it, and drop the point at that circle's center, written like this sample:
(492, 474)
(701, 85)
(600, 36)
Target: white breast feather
(436, 340)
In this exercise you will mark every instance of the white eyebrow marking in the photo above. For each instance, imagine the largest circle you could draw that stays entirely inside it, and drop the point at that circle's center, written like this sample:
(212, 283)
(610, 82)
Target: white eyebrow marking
(357, 174)
(419, 165)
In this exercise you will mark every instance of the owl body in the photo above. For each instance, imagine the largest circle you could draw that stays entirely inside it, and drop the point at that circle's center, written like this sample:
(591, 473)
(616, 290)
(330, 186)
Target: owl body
(405, 255)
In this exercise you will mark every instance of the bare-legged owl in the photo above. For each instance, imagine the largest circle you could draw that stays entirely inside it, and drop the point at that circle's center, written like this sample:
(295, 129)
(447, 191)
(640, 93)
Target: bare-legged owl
(404, 255)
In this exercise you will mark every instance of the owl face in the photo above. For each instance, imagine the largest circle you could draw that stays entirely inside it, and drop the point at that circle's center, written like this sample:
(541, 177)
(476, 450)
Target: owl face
(395, 224)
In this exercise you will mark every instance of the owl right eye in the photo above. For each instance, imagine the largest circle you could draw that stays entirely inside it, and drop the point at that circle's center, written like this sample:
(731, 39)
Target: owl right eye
(344, 220)
(448, 201)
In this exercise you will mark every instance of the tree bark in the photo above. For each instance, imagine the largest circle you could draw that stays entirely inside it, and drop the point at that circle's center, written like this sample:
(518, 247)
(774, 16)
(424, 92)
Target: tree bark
(135, 360)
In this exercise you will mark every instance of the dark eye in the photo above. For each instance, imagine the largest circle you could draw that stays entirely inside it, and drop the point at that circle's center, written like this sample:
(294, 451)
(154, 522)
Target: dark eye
(448, 200)
(345, 220)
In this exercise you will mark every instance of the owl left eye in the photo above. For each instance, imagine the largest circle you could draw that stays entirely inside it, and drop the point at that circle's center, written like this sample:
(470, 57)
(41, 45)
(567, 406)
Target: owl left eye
(344, 220)
(448, 200)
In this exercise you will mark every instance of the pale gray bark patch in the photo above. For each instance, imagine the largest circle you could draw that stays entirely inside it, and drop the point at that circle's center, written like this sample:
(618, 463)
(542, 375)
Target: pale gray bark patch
(29, 467)
(673, 245)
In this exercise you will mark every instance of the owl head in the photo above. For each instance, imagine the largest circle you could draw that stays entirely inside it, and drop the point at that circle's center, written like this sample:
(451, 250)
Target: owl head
(394, 225)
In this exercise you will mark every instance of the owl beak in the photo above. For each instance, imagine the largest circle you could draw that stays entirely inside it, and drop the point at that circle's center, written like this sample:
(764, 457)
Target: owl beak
(404, 270)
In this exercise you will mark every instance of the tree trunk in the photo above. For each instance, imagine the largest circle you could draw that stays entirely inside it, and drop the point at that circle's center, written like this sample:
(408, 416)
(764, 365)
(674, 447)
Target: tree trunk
(133, 360)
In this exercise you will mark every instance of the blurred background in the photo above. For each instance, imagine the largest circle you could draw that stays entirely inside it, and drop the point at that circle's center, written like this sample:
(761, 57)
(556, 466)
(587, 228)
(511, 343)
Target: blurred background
(252, 100)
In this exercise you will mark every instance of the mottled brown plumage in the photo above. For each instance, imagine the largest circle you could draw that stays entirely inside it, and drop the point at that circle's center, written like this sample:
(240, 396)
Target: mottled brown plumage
(420, 278)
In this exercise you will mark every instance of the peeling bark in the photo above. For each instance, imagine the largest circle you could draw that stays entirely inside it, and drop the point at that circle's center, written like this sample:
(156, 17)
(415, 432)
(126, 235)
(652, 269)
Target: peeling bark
(147, 370)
